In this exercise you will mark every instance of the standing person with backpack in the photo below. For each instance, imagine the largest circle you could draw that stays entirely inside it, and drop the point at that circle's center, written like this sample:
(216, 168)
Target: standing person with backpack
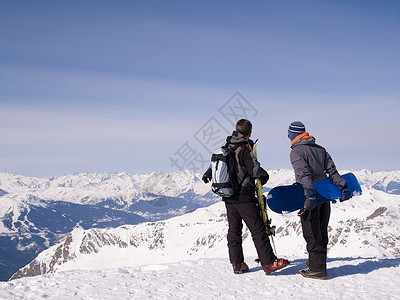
(241, 203)
(312, 162)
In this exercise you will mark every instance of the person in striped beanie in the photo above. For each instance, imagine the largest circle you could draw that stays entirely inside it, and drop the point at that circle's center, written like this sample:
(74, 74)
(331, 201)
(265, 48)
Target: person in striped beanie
(311, 162)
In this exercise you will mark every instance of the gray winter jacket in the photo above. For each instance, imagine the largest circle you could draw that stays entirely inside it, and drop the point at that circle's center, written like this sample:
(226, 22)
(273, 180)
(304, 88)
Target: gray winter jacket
(312, 162)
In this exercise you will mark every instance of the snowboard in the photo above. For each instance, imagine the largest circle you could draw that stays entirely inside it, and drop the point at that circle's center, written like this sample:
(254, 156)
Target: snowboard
(288, 198)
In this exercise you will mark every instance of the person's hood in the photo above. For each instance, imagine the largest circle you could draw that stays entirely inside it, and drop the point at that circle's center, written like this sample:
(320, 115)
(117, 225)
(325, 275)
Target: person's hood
(237, 139)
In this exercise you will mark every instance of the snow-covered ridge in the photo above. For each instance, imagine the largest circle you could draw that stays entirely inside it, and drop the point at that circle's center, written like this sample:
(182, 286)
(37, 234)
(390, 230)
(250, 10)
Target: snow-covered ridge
(385, 181)
(93, 188)
(153, 242)
(153, 196)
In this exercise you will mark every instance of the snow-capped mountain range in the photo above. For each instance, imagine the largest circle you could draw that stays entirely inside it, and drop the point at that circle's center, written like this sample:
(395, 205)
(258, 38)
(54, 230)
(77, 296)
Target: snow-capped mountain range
(367, 225)
(121, 190)
(36, 213)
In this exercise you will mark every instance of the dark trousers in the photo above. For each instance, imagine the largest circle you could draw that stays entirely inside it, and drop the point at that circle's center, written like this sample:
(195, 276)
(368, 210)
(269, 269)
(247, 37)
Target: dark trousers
(315, 231)
(250, 214)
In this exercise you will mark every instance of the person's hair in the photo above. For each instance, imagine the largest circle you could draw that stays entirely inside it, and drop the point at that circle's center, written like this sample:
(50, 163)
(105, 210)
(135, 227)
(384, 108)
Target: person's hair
(244, 127)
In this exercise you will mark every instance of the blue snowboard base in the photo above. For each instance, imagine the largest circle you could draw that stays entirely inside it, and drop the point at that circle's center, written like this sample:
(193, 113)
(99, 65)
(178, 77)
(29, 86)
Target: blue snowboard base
(288, 198)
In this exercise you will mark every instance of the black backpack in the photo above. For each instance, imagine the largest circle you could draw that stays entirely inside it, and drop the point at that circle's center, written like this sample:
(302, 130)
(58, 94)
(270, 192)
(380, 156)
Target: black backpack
(224, 168)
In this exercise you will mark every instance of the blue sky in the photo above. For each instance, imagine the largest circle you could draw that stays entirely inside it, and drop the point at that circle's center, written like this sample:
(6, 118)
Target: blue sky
(109, 86)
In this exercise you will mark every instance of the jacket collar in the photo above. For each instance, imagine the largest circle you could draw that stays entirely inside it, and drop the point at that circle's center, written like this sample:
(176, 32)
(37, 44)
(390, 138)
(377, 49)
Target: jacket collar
(304, 139)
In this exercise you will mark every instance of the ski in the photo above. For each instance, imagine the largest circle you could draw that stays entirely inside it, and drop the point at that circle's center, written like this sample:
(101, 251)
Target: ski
(262, 204)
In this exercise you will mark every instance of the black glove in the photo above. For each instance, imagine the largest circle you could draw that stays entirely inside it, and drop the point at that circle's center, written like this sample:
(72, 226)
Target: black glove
(311, 201)
(346, 195)
(206, 178)
(264, 179)
(207, 175)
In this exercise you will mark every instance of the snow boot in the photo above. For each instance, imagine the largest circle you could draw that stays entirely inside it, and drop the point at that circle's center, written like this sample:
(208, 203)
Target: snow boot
(240, 268)
(279, 263)
(314, 274)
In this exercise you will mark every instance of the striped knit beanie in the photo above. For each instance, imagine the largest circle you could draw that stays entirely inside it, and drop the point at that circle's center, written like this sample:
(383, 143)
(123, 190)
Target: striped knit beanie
(296, 128)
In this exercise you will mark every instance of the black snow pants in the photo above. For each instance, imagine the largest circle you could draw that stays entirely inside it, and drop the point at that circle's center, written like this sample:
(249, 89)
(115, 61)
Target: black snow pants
(315, 231)
(250, 214)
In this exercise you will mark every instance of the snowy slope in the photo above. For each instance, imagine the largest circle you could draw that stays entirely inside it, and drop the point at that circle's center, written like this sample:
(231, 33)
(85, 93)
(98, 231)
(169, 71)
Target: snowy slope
(349, 278)
(365, 226)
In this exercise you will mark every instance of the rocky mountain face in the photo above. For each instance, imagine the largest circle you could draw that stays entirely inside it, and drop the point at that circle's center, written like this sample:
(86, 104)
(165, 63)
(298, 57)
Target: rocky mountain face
(367, 225)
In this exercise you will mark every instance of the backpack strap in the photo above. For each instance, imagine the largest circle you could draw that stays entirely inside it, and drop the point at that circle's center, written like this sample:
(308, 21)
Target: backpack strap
(222, 185)
(217, 157)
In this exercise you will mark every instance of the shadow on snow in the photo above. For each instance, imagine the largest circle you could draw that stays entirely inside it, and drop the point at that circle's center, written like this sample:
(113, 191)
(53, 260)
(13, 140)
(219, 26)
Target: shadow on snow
(366, 265)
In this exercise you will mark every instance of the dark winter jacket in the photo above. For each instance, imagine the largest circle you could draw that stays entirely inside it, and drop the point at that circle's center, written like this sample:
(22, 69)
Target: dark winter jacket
(312, 162)
(249, 169)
